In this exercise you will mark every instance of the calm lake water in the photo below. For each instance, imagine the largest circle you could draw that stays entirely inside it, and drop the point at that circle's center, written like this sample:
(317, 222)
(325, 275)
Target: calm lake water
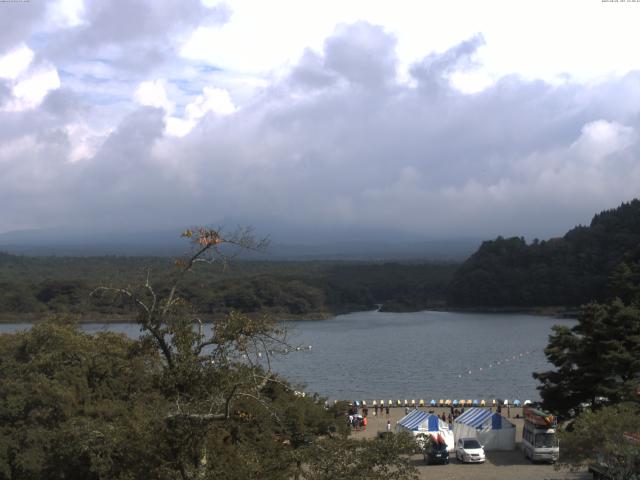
(376, 355)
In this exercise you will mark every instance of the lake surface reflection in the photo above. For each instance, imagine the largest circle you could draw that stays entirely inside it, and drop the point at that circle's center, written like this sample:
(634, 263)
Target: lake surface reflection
(376, 355)
(427, 355)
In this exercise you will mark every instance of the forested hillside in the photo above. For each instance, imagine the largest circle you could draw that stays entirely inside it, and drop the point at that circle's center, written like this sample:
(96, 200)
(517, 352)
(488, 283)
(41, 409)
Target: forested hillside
(503, 273)
(34, 286)
(567, 271)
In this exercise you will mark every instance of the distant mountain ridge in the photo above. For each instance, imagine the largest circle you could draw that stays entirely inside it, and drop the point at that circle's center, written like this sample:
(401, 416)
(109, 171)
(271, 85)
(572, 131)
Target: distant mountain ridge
(76, 242)
(567, 271)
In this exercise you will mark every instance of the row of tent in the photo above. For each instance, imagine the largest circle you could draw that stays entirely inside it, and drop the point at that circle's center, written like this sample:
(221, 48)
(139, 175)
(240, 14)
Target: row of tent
(491, 429)
(443, 403)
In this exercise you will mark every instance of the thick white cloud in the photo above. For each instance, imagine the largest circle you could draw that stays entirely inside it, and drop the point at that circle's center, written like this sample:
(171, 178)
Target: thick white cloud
(153, 94)
(28, 82)
(543, 39)
(30, 89)
(114, 127)
(136, 35)
(15, 62)
(600, 139)
(215, 100)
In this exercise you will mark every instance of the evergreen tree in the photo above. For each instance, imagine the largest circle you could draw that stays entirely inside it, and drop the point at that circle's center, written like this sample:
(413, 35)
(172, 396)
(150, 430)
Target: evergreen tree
(598, 360)
(568, 271)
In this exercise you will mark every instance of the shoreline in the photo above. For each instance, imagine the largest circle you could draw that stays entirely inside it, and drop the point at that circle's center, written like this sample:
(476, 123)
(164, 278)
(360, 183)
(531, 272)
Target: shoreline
(557, 312)
(97, 318)
(93, 318)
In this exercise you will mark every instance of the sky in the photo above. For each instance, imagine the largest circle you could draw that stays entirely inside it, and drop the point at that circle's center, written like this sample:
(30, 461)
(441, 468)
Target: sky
(429, 119)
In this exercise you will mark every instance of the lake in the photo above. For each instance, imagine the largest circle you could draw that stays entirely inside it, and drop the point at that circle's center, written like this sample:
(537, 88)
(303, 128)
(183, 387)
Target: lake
(381, 355)
(377, 355)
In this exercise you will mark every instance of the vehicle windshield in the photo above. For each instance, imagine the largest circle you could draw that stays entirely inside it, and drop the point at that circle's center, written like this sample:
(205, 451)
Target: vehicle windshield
(547, 440)
(439, 447)
(471, 444)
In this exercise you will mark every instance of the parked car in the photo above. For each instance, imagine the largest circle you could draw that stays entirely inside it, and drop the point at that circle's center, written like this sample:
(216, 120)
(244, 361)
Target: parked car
(469, 450)
(599, 471)
(435, 453)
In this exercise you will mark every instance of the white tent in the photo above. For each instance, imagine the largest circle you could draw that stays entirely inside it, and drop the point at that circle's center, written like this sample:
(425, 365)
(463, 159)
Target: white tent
(418, 422)
(491, 429)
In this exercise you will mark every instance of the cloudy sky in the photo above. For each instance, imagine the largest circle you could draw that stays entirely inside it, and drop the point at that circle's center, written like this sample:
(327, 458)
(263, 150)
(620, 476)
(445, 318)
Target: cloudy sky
(466, 118)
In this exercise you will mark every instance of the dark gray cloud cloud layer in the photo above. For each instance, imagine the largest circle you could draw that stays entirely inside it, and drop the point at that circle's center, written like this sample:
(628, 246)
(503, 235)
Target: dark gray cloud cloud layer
(337, 141)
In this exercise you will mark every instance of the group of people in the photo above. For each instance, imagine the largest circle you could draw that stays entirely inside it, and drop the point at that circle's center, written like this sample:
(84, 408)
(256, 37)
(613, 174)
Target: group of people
(357, 417)
(357, 420)
(382, 410)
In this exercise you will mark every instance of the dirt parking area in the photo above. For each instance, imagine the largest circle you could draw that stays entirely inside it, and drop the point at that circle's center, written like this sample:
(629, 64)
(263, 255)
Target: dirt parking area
(499, 465)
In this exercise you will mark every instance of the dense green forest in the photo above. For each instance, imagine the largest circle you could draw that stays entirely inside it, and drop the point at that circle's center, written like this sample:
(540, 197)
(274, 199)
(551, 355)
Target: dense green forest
(32, 286)
(503, 273)
(176, 403)
(595, 377)
(567, 271)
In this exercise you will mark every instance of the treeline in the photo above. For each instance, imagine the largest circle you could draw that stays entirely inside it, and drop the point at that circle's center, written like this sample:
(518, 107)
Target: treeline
(567, 271)
(594, 378)
(37, 285)
(503, 273)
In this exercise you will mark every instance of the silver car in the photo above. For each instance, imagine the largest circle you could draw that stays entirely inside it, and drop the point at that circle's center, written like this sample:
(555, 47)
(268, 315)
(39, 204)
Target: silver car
(469, 450)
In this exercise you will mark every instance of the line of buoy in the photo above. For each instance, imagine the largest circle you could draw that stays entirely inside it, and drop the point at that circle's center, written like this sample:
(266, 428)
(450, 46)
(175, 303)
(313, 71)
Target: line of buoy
(495, 363)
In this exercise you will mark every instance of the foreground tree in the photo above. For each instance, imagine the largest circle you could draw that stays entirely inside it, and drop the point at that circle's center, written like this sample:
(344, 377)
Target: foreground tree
(78, 406)
(597, 379)
(607, 438)
(598, 360)
(384, 458)
(230, 415)
(185, 401)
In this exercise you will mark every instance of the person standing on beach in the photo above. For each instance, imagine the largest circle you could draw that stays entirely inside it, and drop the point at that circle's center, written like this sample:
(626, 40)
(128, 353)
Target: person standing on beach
(388, 423)
(387, 410)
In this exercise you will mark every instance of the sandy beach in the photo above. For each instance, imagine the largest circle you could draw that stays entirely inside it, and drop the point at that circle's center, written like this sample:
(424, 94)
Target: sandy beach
(499, 465)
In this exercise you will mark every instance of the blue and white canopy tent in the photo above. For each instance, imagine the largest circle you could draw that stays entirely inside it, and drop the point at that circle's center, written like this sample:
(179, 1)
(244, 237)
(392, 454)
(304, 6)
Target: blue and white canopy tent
(417, 422)
(490, 428)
